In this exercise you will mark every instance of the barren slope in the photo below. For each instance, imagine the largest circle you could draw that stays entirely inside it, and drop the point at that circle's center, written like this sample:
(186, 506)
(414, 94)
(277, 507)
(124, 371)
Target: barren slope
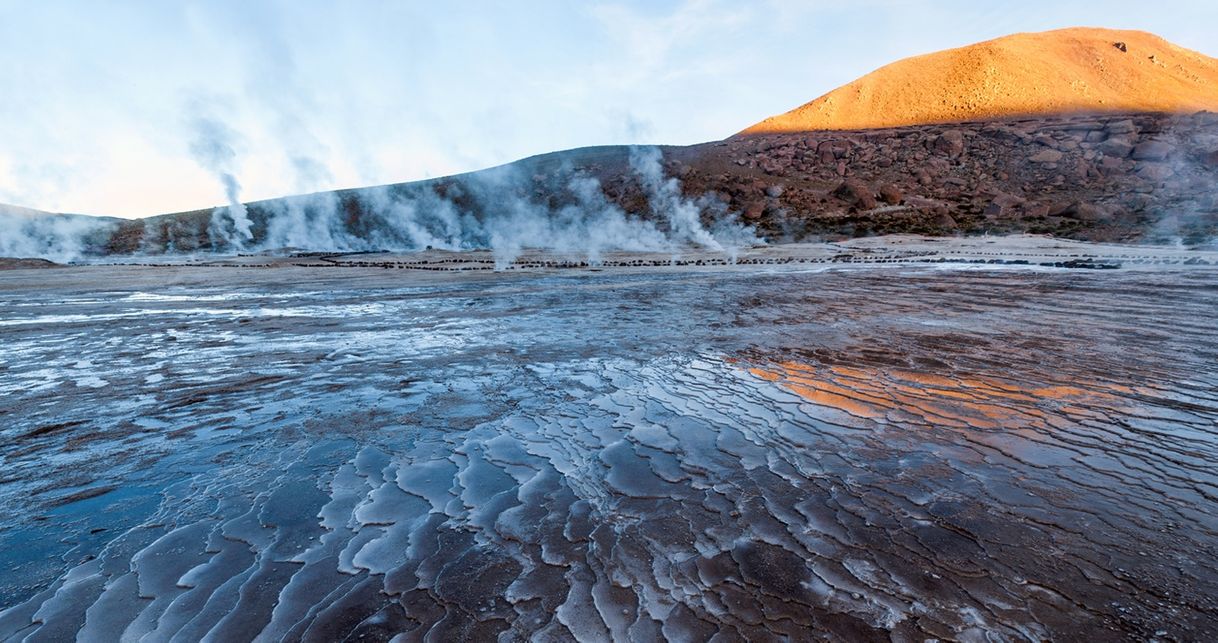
(1049, 73)
(1128, 178)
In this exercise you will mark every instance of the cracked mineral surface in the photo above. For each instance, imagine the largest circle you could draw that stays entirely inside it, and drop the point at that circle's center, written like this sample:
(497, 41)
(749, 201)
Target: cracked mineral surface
(842, 452)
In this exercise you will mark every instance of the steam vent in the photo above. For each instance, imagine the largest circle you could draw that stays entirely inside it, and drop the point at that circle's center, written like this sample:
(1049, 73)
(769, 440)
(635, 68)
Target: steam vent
(932, 357)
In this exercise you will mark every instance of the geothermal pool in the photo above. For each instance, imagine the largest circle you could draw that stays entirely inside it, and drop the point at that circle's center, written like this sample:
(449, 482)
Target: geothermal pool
(848, 453)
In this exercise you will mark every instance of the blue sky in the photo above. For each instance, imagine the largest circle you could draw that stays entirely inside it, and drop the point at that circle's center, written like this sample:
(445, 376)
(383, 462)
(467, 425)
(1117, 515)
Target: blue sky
(100, 101)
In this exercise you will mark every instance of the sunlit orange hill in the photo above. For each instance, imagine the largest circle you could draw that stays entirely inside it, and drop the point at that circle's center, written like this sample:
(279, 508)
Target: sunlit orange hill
(1052, 72)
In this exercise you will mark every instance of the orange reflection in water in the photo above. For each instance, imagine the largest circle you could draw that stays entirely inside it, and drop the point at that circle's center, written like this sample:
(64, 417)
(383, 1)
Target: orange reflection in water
(956, 401)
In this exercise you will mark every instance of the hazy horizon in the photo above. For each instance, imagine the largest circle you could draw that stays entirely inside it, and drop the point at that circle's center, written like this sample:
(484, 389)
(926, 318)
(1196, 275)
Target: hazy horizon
(135, 109)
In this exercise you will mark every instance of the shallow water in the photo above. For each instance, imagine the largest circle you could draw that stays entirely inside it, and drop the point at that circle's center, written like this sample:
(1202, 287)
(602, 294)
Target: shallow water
(863, 453)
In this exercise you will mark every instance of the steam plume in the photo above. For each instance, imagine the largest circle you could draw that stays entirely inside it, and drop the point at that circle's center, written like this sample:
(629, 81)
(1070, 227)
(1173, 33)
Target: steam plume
(57, 237)
(564, 211)
(213, 148)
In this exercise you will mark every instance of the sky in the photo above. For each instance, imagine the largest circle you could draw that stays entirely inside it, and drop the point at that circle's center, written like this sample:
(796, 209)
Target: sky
(129, 108)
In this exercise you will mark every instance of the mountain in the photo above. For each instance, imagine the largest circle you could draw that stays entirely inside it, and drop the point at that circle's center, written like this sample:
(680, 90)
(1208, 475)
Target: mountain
(1078, 70)
(1121, 177)
(1141, 169)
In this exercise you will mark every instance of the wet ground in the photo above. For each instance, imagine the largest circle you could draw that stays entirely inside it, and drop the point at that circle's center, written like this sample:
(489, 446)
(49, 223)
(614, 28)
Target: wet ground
(846, 453)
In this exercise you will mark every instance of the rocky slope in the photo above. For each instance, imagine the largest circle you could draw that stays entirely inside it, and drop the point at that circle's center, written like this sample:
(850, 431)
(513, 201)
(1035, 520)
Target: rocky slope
(1143, 177)
(1127, 178)
(1078, 70)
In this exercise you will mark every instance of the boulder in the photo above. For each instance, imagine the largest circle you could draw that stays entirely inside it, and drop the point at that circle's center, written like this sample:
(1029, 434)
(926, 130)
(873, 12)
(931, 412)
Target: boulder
(1046, 156)
(1152, 151)
(944, 221)
(950, 143)
(1046, 140)
(774, 191)
(754, 210)
(1155, 171)
(1036, 210)
(891, 194)
(1116, 147)
(1111, 165)
(830, 151)
(1059, 208)
(1121, 127)
(856, 193)
(923, 203)
(1003, 204)
(772, 166)
(1080, 210)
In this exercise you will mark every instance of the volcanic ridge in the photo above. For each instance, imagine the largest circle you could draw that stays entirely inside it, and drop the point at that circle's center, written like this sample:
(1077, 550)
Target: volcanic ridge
(1089, 134)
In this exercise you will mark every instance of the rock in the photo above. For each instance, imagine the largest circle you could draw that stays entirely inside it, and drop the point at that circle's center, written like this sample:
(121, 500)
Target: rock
(1046, 140)
(856, 193)
(1116, 147)
(1059, 208)
(1003, 204)
(830, 151)
(1121, 46)
(1080, 210)
(1046, 156)
(1092, 213)
(774, 191)
(950, 143)
(1111, 165)
(1137, 202)
(891, 194)
(922, 203)
(1152, 151)
(755, 210)
(1036, 211)
(772, 166)
(1121, 127)
(1155, 171)
(945, 221)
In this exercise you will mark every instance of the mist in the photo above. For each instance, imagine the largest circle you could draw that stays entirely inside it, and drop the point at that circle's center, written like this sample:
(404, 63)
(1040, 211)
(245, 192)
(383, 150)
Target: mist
(212, 147)
(1188, 216)
(500, 210)
(57, 237)
(506, 210)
